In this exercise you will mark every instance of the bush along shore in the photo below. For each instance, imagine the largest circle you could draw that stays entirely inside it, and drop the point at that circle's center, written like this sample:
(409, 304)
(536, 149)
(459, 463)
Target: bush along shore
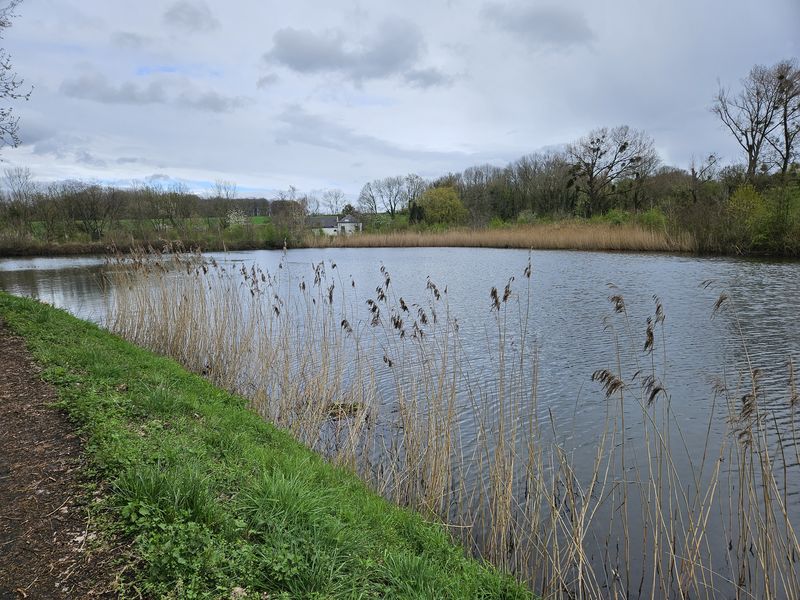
(560, 235)
(674, 212)
(219, 503)
(565, 235)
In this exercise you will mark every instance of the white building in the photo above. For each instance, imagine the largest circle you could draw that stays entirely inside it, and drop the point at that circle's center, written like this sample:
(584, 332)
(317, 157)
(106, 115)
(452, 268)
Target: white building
(333, 225)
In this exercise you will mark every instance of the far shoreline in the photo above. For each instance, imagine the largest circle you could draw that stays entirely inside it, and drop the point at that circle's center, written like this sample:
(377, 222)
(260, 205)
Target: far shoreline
(564, 236)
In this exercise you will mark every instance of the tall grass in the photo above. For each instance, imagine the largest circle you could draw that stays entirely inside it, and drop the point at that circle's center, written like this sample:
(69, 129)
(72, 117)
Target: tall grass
(388, 389)
(555, 236)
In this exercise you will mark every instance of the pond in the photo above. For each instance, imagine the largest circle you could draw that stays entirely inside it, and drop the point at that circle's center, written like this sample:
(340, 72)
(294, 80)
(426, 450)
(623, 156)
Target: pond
(584, 312)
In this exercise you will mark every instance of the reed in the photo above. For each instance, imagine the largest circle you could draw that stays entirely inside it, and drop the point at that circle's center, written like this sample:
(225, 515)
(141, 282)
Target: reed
(568, 235)
(387, 389)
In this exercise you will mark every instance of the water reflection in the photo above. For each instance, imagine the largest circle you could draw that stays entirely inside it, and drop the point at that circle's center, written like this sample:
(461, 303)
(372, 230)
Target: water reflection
(573, 327)
(569, 310)
(75, 283)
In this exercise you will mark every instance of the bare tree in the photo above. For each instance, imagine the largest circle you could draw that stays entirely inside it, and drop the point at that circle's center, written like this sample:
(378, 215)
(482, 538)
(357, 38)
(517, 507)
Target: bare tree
(368, 199)
(540, 180)
(92, 207)
(223, 194)
(784, 137)
(701, 172)
(312, 204)
(392, 194)
(20, 192)
(474, 187)
(604, 158)
(10, 84)
(180, 201)
(50, 211)
(413, 188)
(289, 211)
(19, 184)
(150, 205)
(287, 195)
(752, 114)
(387, 194)
(333, 200)
(164, 207)
(225, 189)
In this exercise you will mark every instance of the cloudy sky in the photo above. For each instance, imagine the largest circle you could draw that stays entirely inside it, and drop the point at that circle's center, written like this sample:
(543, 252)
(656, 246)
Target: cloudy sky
(331, 94)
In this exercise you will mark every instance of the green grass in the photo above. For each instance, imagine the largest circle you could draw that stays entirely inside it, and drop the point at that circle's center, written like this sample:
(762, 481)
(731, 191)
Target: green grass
(214, 498)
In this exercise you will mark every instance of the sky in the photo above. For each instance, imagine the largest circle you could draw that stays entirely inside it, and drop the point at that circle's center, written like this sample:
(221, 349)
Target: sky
(322, 95)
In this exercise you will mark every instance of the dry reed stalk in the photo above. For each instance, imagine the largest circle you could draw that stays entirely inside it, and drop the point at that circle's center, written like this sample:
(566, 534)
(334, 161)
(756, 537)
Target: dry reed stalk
(556, 236)
(304, 353)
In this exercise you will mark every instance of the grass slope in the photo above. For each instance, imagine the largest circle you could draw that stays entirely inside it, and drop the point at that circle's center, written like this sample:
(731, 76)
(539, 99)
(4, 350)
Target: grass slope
(216, 499)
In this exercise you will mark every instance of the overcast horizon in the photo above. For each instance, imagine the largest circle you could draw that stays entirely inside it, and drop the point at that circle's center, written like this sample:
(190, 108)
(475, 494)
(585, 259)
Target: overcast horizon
(269, 95)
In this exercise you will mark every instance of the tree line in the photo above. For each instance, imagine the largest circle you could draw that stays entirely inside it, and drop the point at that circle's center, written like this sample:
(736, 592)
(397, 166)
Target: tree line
(67, 211)
(751, 205)
(612, 174)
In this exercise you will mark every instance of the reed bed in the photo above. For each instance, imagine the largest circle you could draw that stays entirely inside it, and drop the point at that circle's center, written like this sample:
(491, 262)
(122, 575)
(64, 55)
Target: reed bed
(553, 236)
(386, 389)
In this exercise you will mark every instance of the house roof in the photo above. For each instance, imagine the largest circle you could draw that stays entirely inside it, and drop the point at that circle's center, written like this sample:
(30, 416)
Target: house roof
(326, 221)
(322, 221)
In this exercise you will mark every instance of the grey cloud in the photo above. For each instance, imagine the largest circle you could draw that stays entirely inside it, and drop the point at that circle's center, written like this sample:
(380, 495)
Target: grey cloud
(192, 17)
(94, 86)
(158, 177)
(69, 147)
(54, 147)
(266, 81)
(210, 101)
(87, 158)
(35, 132)
(394, 49)
(307, 52)
(545, 27)
(425, 78)
(129, 40)
(300, 126)
(128, 160)
(60, 146)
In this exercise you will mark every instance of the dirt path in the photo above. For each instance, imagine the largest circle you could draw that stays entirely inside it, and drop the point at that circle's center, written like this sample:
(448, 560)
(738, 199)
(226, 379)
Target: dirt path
(44, 527)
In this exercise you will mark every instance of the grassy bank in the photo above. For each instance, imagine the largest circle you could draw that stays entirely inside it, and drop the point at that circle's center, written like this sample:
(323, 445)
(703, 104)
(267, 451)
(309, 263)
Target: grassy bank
(252, 237)
(31, 249)
(217, 499)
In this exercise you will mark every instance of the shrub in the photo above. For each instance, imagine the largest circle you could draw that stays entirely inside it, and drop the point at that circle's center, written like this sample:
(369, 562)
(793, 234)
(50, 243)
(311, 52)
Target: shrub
(616, 217)
(653, 219)
(748, 218)
(442, 205)
(497, 223)
(526, 217)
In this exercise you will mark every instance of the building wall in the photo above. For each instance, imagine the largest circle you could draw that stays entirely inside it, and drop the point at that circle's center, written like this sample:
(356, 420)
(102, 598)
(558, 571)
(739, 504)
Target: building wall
(350, 227)
(342, 228)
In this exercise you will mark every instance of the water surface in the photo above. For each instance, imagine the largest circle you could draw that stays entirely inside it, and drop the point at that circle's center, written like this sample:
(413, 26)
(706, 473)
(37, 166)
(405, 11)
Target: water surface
(572, 322)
